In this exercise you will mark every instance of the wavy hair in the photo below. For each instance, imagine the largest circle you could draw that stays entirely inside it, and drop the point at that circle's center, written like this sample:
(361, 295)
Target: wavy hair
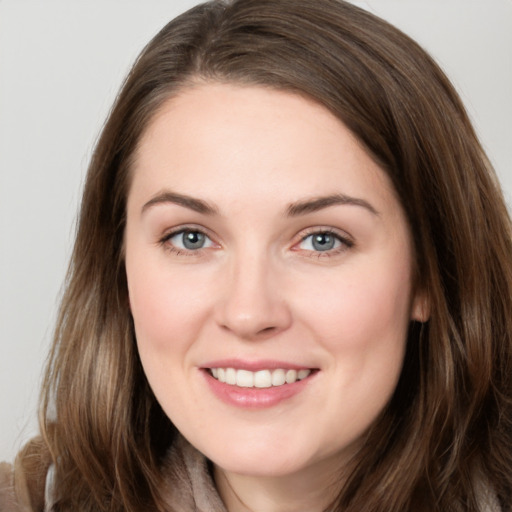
(446, 433)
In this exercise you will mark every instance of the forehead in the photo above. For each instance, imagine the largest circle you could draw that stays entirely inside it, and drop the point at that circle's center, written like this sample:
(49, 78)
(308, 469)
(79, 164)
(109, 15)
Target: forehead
(212, 138)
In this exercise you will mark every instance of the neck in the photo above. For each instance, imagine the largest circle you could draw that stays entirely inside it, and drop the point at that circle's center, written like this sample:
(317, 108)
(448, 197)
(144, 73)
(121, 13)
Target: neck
(312, 490)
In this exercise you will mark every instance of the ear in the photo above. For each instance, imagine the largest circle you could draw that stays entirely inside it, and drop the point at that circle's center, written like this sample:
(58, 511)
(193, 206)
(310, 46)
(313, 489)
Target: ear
(420, 310)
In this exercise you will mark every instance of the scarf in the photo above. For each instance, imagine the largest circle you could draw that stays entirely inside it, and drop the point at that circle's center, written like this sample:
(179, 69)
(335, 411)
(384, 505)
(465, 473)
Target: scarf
(189, 486)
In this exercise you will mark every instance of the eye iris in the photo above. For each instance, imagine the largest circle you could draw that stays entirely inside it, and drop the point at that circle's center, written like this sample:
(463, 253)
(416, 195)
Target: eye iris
(193, 240)
(323, 241)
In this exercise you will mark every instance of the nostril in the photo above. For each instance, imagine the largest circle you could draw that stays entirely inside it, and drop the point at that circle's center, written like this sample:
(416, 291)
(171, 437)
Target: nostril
(247, 318)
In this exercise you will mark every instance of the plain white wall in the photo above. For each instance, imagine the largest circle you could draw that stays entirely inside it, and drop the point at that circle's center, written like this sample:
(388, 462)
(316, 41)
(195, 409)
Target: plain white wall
(61, 64)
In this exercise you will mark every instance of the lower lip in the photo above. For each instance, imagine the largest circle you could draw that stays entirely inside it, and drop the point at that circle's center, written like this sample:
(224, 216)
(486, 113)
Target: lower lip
(255, 398)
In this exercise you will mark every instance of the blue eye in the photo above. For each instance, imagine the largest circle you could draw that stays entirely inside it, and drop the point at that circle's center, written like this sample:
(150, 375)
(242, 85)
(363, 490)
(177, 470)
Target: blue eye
(322, 241)
(190, 240)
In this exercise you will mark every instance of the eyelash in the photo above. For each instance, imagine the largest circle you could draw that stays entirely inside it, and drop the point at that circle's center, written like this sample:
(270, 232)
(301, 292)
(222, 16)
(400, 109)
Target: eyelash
(165, 241)
(345, 242)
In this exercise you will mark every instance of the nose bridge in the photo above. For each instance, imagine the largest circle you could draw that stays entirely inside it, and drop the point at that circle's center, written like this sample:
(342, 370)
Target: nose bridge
(252, 304)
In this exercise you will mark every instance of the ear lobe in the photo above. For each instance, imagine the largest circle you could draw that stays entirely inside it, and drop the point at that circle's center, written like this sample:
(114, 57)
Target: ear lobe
(420, 311)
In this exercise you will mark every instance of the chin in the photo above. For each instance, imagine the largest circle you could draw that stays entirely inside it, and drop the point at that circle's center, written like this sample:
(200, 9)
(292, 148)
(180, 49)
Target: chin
(251, 465)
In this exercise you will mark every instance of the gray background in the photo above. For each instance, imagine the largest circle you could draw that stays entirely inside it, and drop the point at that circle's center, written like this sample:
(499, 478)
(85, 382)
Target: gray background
(61, 63)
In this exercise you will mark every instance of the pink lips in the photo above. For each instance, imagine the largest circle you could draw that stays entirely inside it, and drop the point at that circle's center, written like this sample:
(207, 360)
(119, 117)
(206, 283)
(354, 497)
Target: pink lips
(254, 398)
(253, 366)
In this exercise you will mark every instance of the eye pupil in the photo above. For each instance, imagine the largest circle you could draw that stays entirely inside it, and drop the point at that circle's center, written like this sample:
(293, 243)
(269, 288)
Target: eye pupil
(193, 239)
(323, 241)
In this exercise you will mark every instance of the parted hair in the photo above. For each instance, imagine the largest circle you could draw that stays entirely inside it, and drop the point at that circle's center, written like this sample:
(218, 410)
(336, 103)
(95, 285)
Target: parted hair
(446, 434)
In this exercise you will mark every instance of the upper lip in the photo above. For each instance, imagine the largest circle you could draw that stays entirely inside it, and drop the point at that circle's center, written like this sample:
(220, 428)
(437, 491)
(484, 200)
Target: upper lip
(256, 365)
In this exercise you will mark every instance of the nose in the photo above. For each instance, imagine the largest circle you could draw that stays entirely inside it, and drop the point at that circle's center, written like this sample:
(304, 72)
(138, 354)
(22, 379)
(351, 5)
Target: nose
(253, 305)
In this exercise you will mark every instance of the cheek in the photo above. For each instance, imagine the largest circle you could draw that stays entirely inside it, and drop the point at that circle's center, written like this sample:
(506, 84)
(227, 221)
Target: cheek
(361, 306)
(361, 320)
(166, 306)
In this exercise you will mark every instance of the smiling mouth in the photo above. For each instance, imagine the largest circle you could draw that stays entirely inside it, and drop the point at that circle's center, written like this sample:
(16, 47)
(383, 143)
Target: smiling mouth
(259, 379)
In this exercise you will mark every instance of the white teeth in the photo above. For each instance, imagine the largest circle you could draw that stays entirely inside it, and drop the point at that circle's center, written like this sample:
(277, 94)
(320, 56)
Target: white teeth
(244, 379)
(302, 374)
(291, 376)
(263, 379)
(230, 376)
(259, 379)
(278, 377)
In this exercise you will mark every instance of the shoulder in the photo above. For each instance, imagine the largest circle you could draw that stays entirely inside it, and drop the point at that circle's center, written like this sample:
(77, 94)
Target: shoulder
(14, 495)
(8, 500)
(22, 484)
(188, 481)
(488, 501)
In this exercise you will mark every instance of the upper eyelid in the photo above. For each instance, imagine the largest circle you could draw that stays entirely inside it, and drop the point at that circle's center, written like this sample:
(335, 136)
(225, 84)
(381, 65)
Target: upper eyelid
(164, 240)
(299, 237)
(342, 235)
(169, 233)
(347, 242)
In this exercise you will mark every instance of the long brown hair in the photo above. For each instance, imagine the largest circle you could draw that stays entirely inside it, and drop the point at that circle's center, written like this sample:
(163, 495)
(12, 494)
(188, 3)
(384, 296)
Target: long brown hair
(447, 432)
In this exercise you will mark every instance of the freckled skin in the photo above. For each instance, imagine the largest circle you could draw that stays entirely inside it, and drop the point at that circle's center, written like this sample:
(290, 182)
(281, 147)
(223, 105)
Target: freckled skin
(258, 289)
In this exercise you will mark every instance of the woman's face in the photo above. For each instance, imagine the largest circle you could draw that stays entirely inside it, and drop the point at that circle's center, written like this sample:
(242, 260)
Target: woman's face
(269, 274)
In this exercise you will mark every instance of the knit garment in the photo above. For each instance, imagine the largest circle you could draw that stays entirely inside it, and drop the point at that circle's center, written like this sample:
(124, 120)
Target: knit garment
(189, 486)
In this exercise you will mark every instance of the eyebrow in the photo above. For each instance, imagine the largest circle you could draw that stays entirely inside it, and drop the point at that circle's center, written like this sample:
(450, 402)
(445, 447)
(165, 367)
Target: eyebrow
(197, 205)
(294, 210)
(319, 203)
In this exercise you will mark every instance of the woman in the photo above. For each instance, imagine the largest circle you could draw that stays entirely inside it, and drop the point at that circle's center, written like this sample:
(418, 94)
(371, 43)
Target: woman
(290, 287)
